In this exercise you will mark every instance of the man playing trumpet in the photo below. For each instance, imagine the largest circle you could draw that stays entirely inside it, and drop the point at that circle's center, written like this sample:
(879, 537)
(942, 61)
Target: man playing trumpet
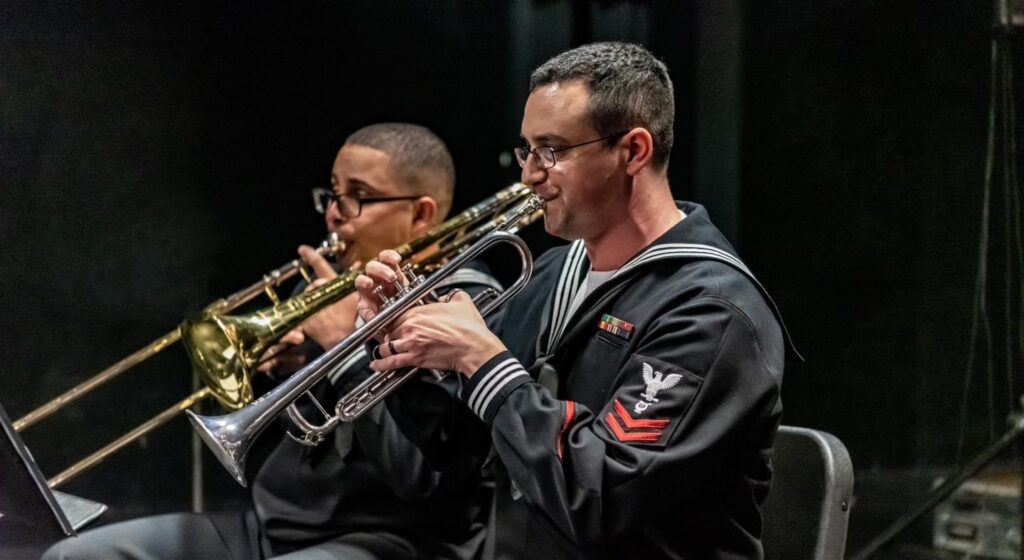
(632, 391)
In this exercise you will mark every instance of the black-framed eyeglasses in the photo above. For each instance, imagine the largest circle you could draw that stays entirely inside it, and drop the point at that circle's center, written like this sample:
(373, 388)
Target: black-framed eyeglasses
(546, 154)
(349, 206)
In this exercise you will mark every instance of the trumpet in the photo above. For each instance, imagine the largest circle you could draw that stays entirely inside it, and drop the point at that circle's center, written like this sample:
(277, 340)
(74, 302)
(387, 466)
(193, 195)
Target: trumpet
(332, 245)
(224, 349)
(230, 436)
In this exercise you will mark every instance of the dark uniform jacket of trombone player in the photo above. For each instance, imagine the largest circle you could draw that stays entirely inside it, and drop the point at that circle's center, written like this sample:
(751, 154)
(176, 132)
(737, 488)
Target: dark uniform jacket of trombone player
(366, 478)
(642, 426)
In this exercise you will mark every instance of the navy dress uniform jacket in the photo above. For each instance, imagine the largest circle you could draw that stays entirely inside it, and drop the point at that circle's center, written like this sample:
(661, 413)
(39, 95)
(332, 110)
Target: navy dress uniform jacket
(367, 478)
(642, 426)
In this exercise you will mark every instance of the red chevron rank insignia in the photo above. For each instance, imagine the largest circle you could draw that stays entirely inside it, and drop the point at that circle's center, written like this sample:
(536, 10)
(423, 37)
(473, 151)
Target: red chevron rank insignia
(627, 429)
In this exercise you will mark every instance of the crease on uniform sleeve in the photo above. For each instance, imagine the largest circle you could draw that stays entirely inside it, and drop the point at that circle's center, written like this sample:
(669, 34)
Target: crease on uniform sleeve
(526, 443)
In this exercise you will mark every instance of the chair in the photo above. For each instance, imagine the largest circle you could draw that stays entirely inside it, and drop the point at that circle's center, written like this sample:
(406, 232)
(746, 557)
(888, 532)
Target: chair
(808, 508)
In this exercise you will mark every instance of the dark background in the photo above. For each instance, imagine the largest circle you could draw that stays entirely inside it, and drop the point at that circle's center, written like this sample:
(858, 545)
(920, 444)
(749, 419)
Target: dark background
(155, 156)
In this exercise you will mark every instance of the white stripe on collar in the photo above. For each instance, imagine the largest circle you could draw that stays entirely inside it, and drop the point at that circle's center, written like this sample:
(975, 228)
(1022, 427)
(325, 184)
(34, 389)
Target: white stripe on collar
(565, 291)
(568, 283)
(667, 250)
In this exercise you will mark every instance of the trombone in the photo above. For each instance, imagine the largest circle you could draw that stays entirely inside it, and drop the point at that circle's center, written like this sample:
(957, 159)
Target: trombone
(230, 436)
(332, 245)
(225, 349)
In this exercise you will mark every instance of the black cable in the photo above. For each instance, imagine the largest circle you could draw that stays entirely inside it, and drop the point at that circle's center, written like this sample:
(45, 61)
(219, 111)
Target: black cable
(979, 315)
(1001, 128)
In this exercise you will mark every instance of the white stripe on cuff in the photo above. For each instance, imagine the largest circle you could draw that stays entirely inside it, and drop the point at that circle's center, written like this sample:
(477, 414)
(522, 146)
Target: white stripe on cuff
(493, 382)
(499, 369)
(517, 372)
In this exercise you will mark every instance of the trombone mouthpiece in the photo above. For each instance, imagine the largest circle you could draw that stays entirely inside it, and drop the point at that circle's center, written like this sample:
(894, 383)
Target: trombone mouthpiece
(333, 245)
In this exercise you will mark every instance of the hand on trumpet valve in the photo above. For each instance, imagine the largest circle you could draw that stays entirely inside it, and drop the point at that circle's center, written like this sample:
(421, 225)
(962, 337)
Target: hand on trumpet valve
(448, 335)
(380, 282)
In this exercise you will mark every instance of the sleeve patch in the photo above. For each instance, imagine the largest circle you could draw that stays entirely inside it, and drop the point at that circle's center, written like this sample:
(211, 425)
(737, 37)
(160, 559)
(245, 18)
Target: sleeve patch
(632, 423)
(629, 437)
(625, 428)
(652, 399)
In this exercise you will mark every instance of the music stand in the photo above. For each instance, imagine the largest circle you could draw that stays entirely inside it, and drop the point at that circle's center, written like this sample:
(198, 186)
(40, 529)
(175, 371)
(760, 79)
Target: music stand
(32, 517)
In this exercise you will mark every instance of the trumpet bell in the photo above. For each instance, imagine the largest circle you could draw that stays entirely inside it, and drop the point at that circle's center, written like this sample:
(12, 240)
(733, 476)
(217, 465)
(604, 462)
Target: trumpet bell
(226, 437)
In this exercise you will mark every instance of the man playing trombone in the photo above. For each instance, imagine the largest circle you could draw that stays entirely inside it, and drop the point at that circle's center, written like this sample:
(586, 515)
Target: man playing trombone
(365, 493)
(632, 391)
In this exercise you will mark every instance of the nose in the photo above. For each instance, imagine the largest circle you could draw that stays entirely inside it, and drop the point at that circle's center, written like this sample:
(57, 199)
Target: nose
(532, 173)
(333, 216)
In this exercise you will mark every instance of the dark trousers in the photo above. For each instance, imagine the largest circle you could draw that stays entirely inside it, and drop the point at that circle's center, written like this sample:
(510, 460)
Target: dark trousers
(191, 536)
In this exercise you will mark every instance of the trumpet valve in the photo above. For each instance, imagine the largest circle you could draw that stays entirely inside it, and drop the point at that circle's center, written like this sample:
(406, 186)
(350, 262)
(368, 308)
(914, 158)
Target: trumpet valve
(384, 299)
(399, 286)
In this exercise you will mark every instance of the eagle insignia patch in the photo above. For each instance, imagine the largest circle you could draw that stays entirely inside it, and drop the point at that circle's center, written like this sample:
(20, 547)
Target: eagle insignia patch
(655, 381)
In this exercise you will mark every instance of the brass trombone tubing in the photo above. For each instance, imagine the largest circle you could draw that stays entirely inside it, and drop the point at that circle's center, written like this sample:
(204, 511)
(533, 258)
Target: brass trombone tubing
(153, 423)
(143, 429)
(100, 378)
(269, 281)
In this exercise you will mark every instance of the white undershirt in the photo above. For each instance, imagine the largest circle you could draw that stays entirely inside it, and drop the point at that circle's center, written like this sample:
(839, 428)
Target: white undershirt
(594, 280)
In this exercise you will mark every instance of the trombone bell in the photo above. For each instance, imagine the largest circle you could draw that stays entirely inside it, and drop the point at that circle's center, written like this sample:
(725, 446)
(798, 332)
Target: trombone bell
(212, 345)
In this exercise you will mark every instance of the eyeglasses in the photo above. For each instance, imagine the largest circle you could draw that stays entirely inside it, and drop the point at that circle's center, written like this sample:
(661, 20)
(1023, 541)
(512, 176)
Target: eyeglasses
(349, 206)
(546, 154)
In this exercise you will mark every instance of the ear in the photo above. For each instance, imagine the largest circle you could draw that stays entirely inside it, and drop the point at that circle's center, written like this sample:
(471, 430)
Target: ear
(423, 219)
(641, 150)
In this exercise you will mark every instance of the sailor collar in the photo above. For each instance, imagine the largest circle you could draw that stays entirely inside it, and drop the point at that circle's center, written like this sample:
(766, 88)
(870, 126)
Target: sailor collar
(694, 237)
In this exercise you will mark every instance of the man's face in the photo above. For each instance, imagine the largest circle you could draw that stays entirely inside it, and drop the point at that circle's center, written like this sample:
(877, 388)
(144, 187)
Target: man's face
(364, 173)
(584, 190)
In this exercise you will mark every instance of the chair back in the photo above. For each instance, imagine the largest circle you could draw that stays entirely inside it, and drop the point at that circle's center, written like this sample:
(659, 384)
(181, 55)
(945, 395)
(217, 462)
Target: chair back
(807, 510)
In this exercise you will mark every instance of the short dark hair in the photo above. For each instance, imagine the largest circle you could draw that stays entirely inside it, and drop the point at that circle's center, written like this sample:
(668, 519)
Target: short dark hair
(628, 87)
(419, 158)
